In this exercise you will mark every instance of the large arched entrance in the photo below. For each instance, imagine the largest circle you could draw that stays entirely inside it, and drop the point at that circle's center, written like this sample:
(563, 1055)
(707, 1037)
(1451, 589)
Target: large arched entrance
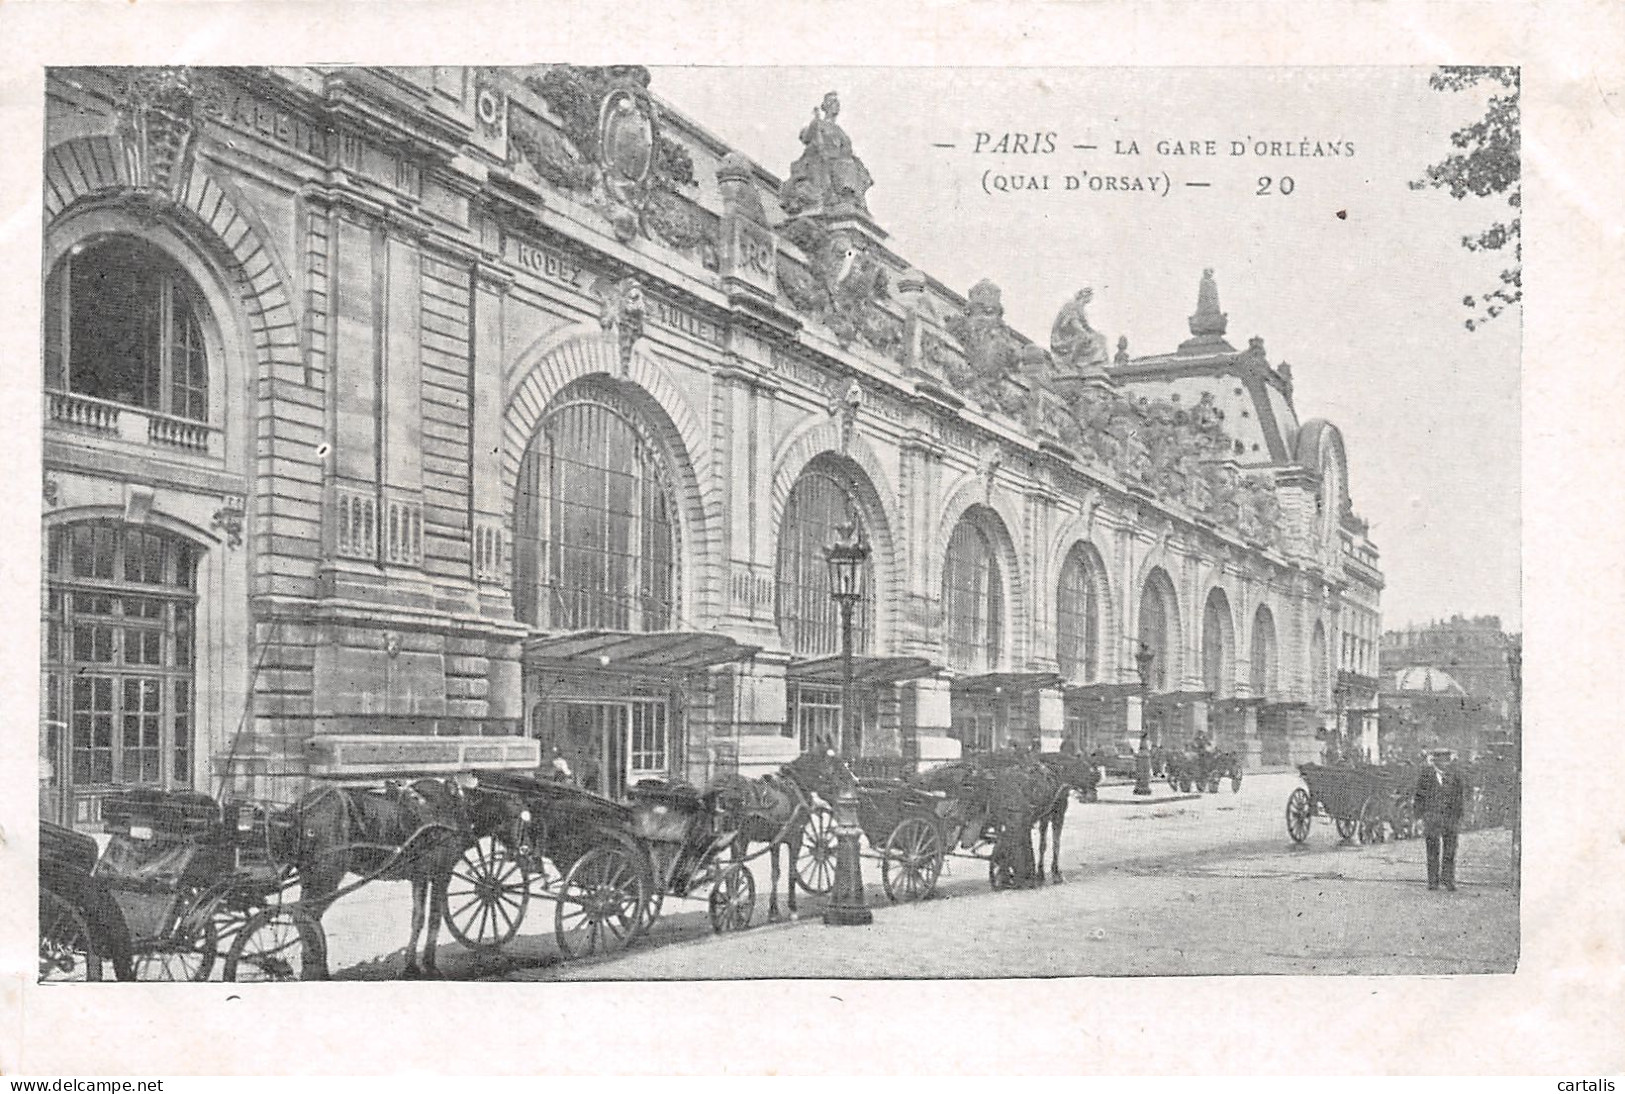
(598, 569)
(974, 622)
(1159, 633)
(1219, 670)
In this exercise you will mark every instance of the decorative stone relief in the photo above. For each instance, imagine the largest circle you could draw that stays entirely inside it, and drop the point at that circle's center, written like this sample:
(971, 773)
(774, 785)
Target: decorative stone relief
(621, 310)
(992, 460)
(157, 126)
(228, 521)
(51, 491)
(612, 152)
(991, 348)
(844, 406)
(842, 286)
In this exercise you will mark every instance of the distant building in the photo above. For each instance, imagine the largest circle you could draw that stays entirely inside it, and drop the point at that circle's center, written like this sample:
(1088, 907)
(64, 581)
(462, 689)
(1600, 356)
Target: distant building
(1447, 683)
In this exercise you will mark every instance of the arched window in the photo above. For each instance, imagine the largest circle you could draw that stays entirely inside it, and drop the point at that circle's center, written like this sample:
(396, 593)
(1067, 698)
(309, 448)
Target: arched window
(1156, 628)
(596, 521)
(972, 600)
(121, 324)
(809, 620)
(119, 653)
(1261, 670)
(1077, 618)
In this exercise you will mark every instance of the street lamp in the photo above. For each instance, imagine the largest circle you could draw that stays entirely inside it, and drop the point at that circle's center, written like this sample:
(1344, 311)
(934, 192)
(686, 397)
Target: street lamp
(1142, 763)
(846, 558)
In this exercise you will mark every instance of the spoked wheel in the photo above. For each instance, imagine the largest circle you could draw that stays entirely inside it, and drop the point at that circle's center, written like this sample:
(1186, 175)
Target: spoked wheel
(1299, 815)
(1404, 822)
(66, 950)
(815, 861)
(187, 955)
(486, 895)
(280, 944)
(1371, 830)
(733, 899)
(600, 903)
(912, 860)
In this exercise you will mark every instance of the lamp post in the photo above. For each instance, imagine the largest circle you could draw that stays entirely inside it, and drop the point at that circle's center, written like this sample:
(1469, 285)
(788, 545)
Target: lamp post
(846, 558)
(1142, 763)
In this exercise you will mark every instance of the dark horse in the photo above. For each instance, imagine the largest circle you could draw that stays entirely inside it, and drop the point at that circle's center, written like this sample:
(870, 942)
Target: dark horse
(1012, 791)
(412, 832)
(1074, 773)
(771, 810)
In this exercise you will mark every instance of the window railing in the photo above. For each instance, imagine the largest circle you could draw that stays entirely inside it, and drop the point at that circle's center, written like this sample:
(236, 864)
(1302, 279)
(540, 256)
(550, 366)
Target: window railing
(88, 414)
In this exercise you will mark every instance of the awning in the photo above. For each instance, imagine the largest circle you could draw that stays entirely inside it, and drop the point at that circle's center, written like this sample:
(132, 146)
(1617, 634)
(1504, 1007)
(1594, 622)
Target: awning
(629, 651)
(868, 671)
(1008, 682)
(1100, 692)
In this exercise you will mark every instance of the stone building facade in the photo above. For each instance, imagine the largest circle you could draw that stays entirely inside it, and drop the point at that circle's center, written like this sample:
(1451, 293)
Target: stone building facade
(407, 419)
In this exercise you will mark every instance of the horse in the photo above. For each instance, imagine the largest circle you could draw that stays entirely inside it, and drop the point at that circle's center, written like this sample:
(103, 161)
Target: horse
(413, 832)
(1073, 773)
(771, 809)
(1015, 793)
(1224, 765)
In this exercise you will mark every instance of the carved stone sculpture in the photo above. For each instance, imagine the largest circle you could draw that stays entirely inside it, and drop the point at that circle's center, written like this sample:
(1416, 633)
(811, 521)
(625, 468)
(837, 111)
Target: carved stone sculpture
(621, 309)
(157, 126)
(828, 177)
(991, 350)
(1077, 346)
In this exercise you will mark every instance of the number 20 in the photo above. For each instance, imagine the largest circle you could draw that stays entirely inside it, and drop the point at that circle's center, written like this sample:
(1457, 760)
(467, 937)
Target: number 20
(1283, 185)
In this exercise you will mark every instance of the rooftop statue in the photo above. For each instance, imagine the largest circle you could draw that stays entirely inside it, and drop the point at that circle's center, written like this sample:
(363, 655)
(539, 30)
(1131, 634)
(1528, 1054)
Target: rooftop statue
(1077, 346)
(827, 177)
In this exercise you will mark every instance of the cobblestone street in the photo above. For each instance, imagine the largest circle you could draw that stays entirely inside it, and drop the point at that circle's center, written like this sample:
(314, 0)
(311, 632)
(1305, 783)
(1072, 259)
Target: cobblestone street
(1181, 885)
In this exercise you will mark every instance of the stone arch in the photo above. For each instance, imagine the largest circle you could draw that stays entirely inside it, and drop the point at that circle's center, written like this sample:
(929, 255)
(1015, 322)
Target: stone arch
(582, 351)
(1263, 664)
(1105, 619)
(1218, 644)
(1157, 589)
(88, 171)
(968, 494)
(1074, 532)
(873, 495)
(992, 524)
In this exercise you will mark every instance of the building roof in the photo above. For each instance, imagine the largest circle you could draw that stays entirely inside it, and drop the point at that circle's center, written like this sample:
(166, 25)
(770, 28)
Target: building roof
(1427, 679)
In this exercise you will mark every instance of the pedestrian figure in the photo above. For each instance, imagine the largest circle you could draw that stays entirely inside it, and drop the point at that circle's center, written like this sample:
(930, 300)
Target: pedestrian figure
(1440, 797)
(561, 767)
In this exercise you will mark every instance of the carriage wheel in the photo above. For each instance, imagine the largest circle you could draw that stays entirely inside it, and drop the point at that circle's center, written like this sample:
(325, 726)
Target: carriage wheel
(814, 868)
(1299, 815)
(1404, 819)
(600, 903)
(66, 951)
(733, 899)
(912, 860)
(187, 954)
(280, 944)
(486, 895)
(1370, 828)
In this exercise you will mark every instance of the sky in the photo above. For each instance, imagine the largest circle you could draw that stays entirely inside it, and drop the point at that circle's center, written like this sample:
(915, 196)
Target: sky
(1366, 307)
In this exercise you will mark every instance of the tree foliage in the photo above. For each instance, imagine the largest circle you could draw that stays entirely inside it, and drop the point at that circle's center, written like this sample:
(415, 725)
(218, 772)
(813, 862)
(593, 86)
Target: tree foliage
(1486, 164)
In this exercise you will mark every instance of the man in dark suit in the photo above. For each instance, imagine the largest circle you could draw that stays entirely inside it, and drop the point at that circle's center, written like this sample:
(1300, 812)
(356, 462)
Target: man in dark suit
(1440, 796)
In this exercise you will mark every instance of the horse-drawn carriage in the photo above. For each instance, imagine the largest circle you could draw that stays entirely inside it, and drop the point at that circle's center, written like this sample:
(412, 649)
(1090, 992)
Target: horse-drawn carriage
(606, 866)
(1364, 801)
(1200, 770)
(182, 884)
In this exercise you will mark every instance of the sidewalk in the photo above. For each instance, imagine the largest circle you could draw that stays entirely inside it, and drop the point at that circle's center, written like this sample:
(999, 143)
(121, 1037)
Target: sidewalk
(1343, 910)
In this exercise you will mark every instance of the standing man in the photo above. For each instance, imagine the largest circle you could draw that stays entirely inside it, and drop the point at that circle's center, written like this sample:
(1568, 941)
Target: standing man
(1439, 800)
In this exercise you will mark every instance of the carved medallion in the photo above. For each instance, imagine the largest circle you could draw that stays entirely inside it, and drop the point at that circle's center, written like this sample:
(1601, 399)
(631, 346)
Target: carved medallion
(626, 142)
